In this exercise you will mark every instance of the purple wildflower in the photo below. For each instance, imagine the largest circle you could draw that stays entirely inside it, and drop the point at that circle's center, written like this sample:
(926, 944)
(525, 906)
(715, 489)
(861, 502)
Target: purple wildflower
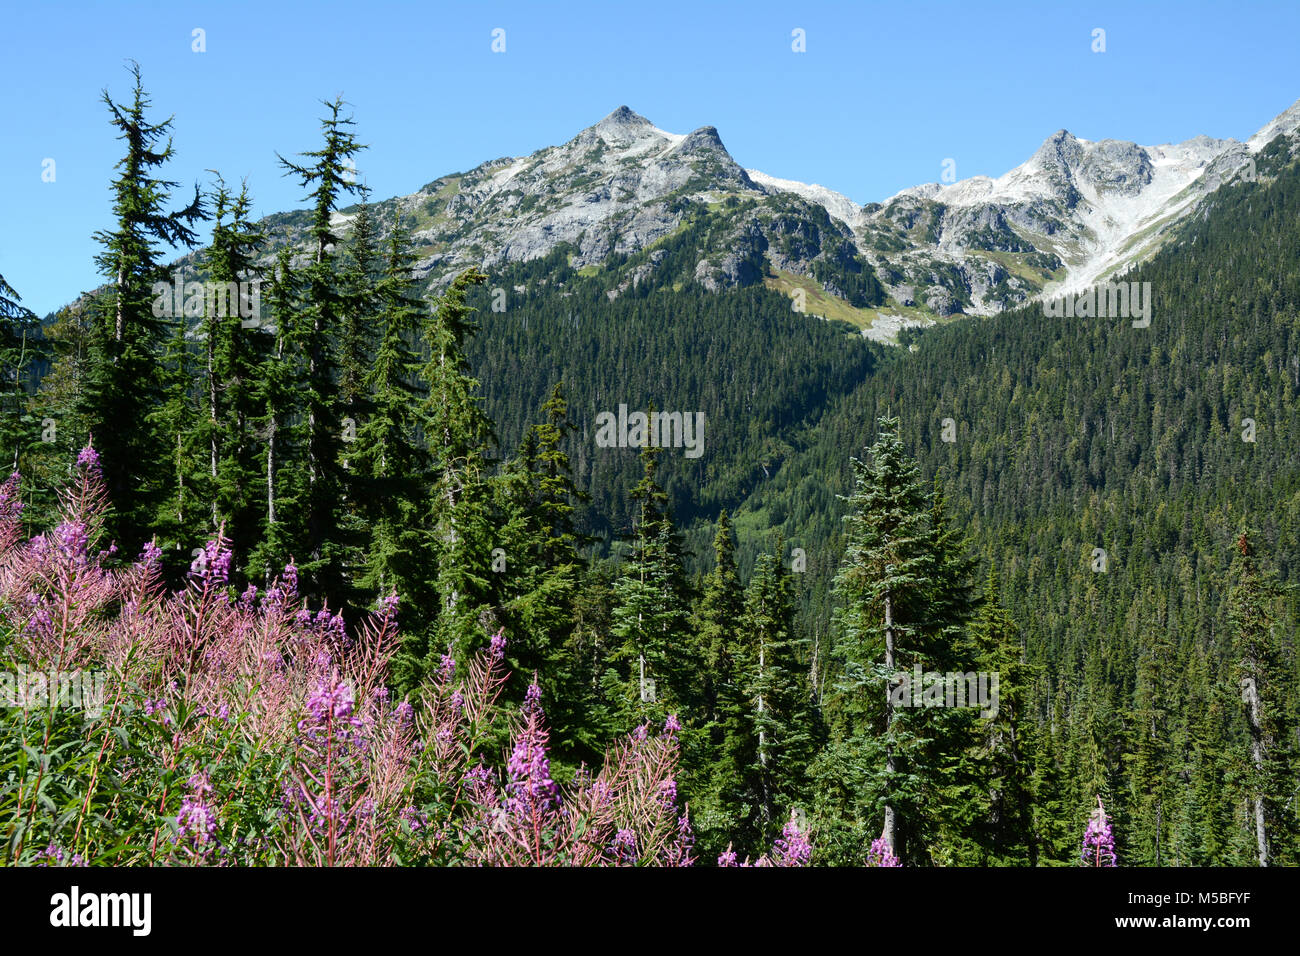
(880, 854)
(331, 700)
(623, 846)
(197, 822)
(792, 848)
(72, 537)
(531, 788)
(88, 459)
(1099, 840)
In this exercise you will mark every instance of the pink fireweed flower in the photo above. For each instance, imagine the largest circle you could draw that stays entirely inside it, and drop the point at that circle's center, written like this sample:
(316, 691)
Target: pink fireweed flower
(404, 713)
(792, 848)
(530, 785)
(1099, 840)
(498, 646)
(151, 554)
(197, 822)
(212, 566)
(72, 538)
(54, 856)
(880, 855)
(88, 460)
(623, 846)
(667, 795)
(331, 700)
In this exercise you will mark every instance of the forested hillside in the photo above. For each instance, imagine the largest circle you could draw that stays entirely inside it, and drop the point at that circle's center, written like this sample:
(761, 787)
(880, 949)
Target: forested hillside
(1102, 517)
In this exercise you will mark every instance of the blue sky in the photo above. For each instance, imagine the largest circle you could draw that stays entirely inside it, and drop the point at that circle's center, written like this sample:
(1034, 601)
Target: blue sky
(883, 94)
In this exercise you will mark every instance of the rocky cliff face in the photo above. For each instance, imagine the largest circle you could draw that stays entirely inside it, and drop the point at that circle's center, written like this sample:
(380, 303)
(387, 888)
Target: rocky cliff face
(1075, 213)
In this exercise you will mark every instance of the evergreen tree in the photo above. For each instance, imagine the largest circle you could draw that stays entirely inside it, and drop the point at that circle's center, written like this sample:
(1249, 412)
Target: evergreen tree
(122, 380)
(20, 345)
(237, 345)
(897, 587)
(777, 699)
(388, 462)
(650, 612)
(279, 382)
(326, 171)
(719, 621)
(1270, 774)
(459, 437)
(184, 512)
(1006, 807)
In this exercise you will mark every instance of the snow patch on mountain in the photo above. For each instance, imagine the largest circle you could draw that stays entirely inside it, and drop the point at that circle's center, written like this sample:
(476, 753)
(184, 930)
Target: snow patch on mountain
(836, 204)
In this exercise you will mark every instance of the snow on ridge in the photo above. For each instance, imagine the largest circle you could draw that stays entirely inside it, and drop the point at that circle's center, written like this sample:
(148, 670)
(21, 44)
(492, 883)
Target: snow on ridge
(836, 204)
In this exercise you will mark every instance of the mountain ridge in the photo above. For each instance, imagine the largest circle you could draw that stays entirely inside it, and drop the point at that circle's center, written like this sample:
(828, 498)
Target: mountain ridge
(1075, 213)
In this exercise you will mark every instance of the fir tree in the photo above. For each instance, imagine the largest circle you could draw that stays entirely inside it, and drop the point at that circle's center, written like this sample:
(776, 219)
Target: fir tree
(236, 348)
(650, 612)
(899, 588)
(328, 173)
(122, 380)
(20, 345)
(1270, 774)
(459, 436)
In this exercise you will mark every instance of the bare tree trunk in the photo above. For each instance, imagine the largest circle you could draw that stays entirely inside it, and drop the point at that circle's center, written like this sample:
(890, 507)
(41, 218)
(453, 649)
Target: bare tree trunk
(1251, 695)
(887, 833)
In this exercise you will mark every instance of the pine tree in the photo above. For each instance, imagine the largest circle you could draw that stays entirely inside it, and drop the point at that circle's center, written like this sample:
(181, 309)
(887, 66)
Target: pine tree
(1053, 838)
(389, 464)
(650, 612)
(459, 436)
(236, 347)
(328, 173)
(1270, 773)
(540, 568)
(20, 345)
(122, 379)
(719, 620)
(777, 699)
(1004, 738)
(1151, 763)
(184, 512)
(279, 382)
(899, 589)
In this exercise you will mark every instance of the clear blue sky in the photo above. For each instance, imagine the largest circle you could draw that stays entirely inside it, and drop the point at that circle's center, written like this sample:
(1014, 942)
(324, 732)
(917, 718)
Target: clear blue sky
(884, 93)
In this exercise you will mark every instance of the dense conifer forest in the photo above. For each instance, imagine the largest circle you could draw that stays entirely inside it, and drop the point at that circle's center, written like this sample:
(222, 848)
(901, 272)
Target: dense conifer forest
(1102, 517)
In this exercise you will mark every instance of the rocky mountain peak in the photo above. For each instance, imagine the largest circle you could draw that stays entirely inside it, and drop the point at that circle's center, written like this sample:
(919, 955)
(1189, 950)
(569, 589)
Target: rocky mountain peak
(623, 127)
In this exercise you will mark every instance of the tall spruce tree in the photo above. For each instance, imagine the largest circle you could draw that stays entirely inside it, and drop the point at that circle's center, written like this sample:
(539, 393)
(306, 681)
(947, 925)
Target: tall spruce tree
(1270, 772)
(122, 381)
(650, 612)
(236, 346)
(329, 173)
(20, 345)
(898, 589)
(278, 429)
(1004, 739)
(776, 698)
(460, 437)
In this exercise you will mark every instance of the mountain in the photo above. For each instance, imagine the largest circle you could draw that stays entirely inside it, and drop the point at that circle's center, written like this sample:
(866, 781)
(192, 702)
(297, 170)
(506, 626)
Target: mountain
(1075, 213)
